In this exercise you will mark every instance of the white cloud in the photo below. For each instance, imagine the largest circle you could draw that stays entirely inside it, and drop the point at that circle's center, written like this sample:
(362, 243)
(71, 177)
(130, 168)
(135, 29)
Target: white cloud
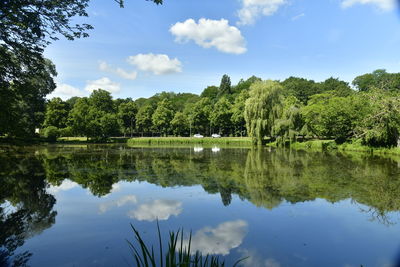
(385, 5)
(252, 9)
(219, 240)
(298, 16)
(64, 186)
(65, 91)
(117, 203)
(103, 83)
(156, 63)
(103, 66)
(211, 33)
(158, 209)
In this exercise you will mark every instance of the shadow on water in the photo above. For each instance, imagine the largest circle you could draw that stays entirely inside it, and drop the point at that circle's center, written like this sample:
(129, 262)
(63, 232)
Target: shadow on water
(265, 178)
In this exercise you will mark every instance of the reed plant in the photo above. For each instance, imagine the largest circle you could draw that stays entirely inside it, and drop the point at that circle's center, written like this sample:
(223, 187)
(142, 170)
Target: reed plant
(177, 254)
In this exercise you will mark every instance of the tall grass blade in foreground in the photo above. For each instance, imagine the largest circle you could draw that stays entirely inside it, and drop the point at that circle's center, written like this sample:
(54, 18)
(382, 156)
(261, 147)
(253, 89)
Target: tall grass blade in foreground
(178, 254)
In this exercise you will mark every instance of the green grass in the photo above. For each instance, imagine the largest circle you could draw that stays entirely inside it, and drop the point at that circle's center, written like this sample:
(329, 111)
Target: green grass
(229, 141)
(177, 254)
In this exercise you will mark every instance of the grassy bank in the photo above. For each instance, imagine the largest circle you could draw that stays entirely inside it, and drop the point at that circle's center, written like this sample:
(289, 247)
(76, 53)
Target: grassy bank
(229, 141)
(330, 145)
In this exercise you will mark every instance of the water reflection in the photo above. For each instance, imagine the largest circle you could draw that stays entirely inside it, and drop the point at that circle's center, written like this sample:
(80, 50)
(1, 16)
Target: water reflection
(129, 199)
(219, 240)
(266, 179)
(160, 209)
(23, 186)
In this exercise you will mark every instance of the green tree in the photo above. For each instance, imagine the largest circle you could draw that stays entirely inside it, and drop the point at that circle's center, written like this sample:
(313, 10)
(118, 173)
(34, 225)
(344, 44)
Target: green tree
(291, 122)
(220, 117)
(56, 113)
(22, 102)
(180, 124)
(127, 117)
(378, 79)
(144, 122)
(301, 88)
(163, 116)
(94, 117)
(262, 108)
(211, 92)
(239, 123)
(225, 86)
(380, 126)
(200, 116)
(338, 87)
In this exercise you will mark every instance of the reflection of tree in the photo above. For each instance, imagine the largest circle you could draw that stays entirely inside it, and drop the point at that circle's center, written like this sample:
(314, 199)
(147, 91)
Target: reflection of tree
(25, 207)
(263, 177)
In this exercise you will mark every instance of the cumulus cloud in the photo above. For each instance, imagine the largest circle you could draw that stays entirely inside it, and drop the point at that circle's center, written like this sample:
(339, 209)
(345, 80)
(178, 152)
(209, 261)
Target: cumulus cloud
(103, 83)
(253, 9)
(103, 207)
(210, 33)
(161, 209)
(385, 5)
(219, 240)
(65, 91)
(158, 64)
(103, 66)
(64, 186)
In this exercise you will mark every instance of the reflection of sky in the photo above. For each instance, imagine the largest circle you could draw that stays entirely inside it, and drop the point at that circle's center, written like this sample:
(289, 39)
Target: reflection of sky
(128, 199)
(160, 209)
(219, 240)
(91, 231)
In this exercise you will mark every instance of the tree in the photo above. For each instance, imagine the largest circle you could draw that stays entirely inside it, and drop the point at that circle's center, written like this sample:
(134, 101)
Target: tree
(180, 124)
(301, 88)
(220, 118)
(262, 108)
(379, 79)
(338, 87)
(200, 115)
(291, 122)
(94, 117)
(26, 28)
(225, 86)
(238, 111)
(127, 117)
(210, 92)
(380, 126)
(56, 113)
(163, 116)
(22, 102)
(331, 116)
(144, 120)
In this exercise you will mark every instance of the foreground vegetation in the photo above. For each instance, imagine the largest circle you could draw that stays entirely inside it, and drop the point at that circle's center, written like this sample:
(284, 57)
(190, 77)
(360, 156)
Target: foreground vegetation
(177, 254)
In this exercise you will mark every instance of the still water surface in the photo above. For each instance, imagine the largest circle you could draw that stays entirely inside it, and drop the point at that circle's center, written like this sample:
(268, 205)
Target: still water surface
(73, 205)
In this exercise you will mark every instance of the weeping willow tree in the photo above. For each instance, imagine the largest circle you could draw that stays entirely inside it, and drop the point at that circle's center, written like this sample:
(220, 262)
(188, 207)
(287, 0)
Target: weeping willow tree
(263, 108)
(291, 123)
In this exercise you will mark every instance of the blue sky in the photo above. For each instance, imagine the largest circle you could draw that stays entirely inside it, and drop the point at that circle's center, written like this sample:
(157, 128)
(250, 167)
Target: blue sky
(186, 45)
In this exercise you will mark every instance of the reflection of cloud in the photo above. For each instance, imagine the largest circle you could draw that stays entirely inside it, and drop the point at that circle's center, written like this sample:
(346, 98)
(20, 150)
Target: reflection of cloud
(157, 209)
(219, 240)
(64, 186)
(254, 259)
(117, 203)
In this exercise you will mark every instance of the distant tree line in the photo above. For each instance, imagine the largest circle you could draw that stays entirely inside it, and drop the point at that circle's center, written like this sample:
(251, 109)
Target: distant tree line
(279, 110)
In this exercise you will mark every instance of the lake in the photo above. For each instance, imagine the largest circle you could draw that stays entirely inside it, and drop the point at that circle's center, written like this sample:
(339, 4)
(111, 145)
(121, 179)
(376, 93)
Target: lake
(73, 205)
